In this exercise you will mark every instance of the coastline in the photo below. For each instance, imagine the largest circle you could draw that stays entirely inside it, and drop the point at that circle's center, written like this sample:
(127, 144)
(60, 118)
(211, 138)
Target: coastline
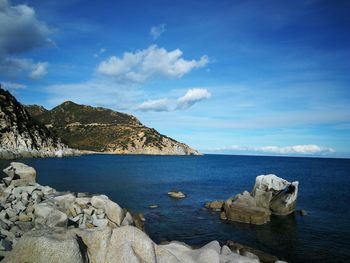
(64, 200)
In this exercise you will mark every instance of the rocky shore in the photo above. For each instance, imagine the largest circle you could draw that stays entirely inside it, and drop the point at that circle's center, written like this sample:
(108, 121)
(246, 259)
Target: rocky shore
(40, 224)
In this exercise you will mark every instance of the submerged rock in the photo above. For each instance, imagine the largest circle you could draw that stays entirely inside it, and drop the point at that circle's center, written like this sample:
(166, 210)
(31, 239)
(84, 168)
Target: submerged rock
(176, 194)
(214, 205)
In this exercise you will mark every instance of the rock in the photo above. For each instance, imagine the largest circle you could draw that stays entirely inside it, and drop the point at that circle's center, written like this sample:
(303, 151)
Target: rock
(139, 221)
(24, 218)
(270, 194)
(99, 222)
(25, 226)
(247, 214)
(127, 219)
(47, 190)
(19, 206)
(83, 201)
(112, 210)
(11, 212)
(129, 244)
(65, 201)
(303, 212)
(5, 245)
(37, 196)
(244, 250)
(223, 215)
(42, 246)
(7, 180)
(123, 245)
(214, 205)
(89, 211)
(176, 194)
(21, 171)
(262, 198)
(284, 193)
(48, 216)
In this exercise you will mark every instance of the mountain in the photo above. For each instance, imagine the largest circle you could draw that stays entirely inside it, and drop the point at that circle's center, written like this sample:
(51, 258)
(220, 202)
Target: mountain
(23, 136)
(103, 130)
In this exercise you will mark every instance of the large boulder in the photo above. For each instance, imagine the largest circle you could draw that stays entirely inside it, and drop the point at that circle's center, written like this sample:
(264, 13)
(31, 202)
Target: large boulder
(105, 245)
(47, 245)
(284, 194)
(22, 172)
(270, 194)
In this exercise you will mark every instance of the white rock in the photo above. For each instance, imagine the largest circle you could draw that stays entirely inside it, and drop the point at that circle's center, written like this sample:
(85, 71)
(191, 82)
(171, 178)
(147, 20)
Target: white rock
(65, 201)
(48, 216)
(113, 211)
(45, 246)
(22, 171)
(100, 222)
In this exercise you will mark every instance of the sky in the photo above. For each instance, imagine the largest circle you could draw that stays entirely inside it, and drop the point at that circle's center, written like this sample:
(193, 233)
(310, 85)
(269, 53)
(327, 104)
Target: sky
(224, 76)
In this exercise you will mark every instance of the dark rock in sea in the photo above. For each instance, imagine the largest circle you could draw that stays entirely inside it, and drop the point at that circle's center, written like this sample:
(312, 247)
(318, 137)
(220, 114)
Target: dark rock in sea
(303, 213)
(214, 205)
(244, 250)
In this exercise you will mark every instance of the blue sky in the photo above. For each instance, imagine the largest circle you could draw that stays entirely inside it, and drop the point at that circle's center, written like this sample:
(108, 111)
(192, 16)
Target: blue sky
(241, 77)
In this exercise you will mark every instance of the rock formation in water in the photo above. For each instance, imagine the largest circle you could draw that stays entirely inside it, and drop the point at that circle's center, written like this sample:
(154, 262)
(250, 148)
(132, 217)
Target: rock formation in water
(103, 130)
(270, 194)
(23, 136)
(39, 224)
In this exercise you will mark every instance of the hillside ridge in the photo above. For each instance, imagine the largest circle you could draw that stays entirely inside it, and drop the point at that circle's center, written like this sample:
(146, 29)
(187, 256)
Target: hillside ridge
(103, 130)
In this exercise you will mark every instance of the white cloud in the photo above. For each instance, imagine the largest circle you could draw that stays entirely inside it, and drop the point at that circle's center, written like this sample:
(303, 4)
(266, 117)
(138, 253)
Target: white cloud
(155, 105)
(141, 65)
(156, 31)
(39, 70)
(21, 31)
(13, 67)
(191, 97)
(307, 149)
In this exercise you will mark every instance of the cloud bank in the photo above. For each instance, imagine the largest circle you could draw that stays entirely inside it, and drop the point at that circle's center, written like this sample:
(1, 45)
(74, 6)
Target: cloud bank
(151, 62)
(156, 31)
(20, 32)
(191, 97)
(307, 149)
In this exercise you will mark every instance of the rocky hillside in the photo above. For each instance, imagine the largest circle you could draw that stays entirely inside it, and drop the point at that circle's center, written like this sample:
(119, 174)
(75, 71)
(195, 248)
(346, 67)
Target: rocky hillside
(23, 136)
(103, 130)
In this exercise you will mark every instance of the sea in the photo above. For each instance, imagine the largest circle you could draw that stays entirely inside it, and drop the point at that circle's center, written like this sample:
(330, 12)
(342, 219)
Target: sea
(137, 181)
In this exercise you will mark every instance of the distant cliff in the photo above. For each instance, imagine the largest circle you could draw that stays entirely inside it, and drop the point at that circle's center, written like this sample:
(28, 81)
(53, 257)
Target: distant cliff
(23, 136)
(103, 130)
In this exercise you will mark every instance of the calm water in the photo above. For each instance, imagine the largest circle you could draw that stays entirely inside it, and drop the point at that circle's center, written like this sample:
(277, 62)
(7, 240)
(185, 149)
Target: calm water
(136, 182)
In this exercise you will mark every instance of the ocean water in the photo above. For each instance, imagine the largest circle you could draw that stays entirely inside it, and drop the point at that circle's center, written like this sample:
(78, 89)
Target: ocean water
(136, 182)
